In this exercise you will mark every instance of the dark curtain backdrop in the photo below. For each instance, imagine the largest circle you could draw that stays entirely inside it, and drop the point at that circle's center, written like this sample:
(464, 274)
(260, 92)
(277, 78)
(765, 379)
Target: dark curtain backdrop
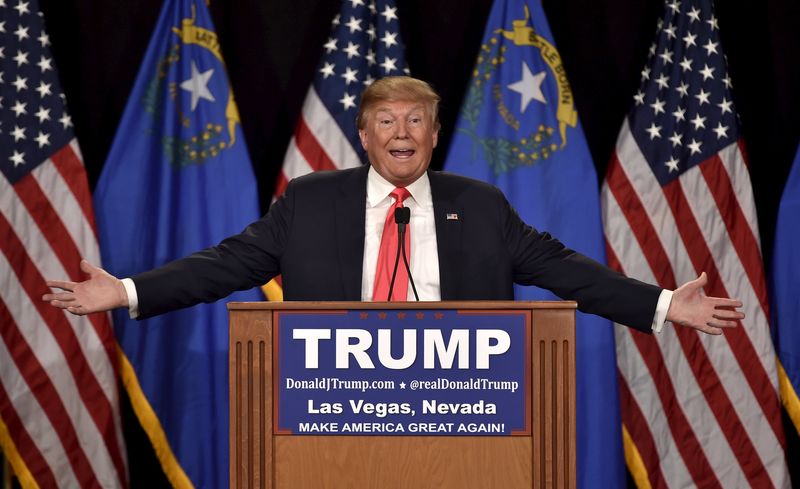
(271, 48)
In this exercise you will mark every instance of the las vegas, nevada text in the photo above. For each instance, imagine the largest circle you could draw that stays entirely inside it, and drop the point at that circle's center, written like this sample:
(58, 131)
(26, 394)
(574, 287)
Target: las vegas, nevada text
(383, 409)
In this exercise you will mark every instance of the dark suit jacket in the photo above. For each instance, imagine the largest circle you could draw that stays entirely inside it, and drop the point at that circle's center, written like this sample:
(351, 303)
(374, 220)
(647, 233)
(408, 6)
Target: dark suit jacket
(314, 237)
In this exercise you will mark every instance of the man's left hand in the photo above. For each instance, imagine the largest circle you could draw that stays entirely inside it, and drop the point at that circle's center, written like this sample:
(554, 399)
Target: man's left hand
(692, 308)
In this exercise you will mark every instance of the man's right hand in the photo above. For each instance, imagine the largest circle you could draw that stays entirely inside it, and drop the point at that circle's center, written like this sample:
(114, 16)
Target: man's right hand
(101, 292)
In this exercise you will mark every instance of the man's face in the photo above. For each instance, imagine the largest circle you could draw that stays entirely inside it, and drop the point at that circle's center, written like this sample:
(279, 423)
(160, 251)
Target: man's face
(399, 138)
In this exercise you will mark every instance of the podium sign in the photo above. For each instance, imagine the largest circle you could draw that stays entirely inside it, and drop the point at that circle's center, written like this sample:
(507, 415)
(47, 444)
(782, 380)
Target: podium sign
(402, 372)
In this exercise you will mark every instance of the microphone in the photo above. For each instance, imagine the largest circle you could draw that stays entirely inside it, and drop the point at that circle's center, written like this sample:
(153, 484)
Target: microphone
(402, 216)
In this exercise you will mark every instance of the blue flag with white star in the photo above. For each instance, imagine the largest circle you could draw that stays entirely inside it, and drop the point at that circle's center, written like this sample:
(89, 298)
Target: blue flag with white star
(519, 130)
(178, 179)
(785, 299)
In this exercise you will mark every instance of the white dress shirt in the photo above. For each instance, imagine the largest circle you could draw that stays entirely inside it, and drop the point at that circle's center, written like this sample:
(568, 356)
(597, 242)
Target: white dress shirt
(424, 256)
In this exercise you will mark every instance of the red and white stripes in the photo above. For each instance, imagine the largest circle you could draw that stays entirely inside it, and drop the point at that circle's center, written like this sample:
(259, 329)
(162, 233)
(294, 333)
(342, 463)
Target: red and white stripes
(58, 387)
(318, 144)
(702, 411)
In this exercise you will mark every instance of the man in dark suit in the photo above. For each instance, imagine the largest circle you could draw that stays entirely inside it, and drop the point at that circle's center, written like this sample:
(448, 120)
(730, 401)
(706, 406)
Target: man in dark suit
(326, 233)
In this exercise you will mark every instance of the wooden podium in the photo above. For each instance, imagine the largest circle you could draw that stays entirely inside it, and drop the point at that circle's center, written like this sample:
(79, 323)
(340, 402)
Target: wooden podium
(261, 459)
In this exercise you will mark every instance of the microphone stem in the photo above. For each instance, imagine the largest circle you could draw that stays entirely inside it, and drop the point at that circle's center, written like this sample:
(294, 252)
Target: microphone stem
(394, 275)
(405, 261)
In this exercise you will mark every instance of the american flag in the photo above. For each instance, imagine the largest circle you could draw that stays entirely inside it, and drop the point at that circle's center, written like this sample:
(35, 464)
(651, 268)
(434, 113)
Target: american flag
(698, 410)
(364, 45)
(59, 408)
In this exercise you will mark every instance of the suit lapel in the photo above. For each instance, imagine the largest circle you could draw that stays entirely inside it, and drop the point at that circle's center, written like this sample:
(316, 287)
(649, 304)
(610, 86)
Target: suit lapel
(448, 217)
(350, 213)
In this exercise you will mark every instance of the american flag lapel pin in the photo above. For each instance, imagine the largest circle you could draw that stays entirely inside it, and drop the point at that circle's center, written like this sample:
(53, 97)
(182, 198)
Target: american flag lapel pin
(452, 216)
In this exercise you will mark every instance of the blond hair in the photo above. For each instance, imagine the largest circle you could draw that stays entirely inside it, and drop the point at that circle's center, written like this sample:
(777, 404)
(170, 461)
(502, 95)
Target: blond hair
(398, 88)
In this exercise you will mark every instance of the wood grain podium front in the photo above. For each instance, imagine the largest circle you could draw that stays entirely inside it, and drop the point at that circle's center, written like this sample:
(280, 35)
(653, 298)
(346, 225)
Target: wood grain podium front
(261, 459)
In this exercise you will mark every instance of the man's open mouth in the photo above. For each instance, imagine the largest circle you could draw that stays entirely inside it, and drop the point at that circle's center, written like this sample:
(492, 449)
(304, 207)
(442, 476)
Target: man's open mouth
(402, 153)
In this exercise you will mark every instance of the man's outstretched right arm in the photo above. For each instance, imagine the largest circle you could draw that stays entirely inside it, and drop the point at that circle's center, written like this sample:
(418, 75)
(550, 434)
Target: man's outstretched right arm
(239, 262)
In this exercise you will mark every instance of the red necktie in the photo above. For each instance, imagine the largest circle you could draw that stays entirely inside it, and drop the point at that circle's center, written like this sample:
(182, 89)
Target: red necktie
(388, 254)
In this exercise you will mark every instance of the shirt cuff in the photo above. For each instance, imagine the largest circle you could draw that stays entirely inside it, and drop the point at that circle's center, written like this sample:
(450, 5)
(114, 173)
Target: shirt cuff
(662, 307)
(133, 299)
